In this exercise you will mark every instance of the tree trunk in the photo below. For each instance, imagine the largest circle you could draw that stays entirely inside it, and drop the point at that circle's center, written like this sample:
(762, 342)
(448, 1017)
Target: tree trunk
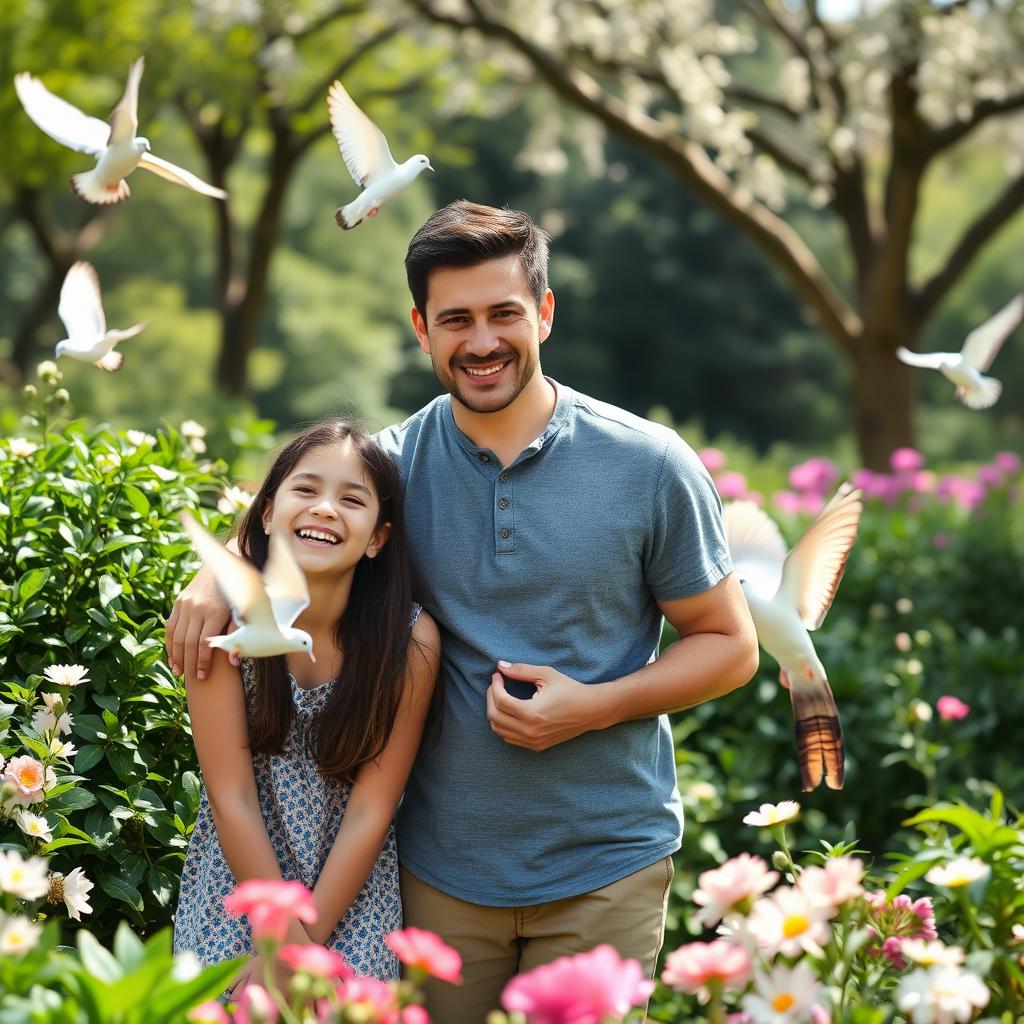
(883, 400)
(25, 350)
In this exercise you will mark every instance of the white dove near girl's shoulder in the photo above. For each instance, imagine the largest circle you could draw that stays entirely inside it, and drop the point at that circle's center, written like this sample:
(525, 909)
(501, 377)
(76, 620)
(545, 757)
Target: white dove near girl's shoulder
(368, 159)
(114, 143)
(263, 606)
(789, 594)
(81, 310)
(967, 367)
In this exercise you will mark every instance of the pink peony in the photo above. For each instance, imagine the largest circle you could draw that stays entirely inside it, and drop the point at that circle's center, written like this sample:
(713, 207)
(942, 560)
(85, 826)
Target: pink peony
(587, 988)
(697, 966)
(731, 485)
(906, 460)
(316, 960)
(713, 459)
(270, 905)
(952, 708)
(375, 999)
(28, 776)
(210, 1012)
(255, 1006)
(836, 882)
(416, 947)
(413, 1015)
(733, 886)
(1008, 462)
(787, 502)
(814, 476)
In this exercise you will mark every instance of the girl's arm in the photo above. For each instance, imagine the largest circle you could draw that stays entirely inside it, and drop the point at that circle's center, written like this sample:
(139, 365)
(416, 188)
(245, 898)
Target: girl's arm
(377, 788)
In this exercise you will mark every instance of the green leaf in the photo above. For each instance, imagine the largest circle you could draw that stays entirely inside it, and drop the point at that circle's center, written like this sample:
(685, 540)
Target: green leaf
(31, 583)
(88, 756)
(128, 948)
(109, 589)
(137, 499)
(76, 799)
(119, 889)
(98, 961)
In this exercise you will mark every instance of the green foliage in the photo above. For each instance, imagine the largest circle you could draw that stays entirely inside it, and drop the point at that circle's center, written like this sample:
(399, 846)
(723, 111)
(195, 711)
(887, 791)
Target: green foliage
(132, 983)
(91, 557)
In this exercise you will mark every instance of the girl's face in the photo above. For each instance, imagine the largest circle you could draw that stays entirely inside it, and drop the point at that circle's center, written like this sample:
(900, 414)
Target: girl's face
(329, 508)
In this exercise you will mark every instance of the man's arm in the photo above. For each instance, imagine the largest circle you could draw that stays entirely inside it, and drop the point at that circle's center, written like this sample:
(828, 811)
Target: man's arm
(716, 652)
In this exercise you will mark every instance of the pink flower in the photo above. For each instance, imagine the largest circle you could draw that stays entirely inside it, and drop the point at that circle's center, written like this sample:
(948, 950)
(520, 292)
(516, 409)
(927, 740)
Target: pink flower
(815, 475)
(27, 774)
(787, 922)
(903, 918)
(924, 481)
(1008, 462)
(787, 502)
(255, 1006)
(316, 960)
(904, 460)
(990, 476)
(952, 708)
(414, 1015)
(836, 882)
(731, 485)
(811, 503)
(713, 459)
(733, 886)
(697, 966)
(941, 541)
(819, 1015)
(586, 988)
(375, 998)
(416, 947)
(210, 1012)
(270, 905)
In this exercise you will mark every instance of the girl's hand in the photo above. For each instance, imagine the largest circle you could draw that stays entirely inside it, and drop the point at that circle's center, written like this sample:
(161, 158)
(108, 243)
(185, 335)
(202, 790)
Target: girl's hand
(252, 973)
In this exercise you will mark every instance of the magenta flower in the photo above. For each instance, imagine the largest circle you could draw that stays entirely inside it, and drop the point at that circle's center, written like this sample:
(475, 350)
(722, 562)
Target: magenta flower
(903, 918)
(731, 485)
(713, 459)
(375, 1000)
(733, 886)
(587, 988)
(270, 905)
(815, 475)
(952, 708)
(316, 960)
(698, 966)
(812, 503)
(255, 1006)
(990, 476)
(1008, 462)
(416, 947)
(788, 502)
(906, 460)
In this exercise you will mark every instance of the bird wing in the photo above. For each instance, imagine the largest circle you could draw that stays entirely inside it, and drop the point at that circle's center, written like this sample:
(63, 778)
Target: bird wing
(362, 143)
(165, 169)
(124, 118)
(59, 119)
(983, 343)
(929, 360)
(813, 569)
(285, 582)
(81, 308)
(239, 581)
(756, 546)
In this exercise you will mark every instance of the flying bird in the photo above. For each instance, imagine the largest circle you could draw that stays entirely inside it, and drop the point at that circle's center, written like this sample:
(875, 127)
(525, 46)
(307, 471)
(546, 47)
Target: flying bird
(114, 143)
(81, 309)
(789, 595)
(967, 367)
(263, 606)
(367, 158)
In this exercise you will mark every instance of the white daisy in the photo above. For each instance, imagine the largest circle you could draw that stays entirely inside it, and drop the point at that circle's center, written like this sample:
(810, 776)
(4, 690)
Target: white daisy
(34, 825)
(66, 675)
(20, 447)
(786, 921)
(929, 953)
(192, 429)
(784, 996)
(234, 500)
(24, 878)
(958, 872)
(773, 814)
(65, 749)
(18, 935)
(73, 890)
(139, 437)
(941, 995)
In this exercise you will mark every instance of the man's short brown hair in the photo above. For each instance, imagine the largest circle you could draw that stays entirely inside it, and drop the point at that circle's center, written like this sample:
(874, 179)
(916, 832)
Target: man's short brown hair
(465, 234)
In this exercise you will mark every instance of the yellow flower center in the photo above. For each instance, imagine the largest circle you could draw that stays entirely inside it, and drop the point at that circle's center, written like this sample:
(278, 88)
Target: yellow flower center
(795, 924)
(17, 875)
(958, 880)
(782, 1002)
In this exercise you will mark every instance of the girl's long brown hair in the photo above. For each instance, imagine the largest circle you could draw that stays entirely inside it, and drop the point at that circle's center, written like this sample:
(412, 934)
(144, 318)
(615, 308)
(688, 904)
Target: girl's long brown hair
(373, 634)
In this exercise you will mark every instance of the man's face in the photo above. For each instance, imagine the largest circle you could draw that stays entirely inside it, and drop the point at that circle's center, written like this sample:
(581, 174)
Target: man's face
(483, 332)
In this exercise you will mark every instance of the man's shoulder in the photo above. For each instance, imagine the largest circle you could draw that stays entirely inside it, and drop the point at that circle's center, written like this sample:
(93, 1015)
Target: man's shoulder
(617, 424)
(401, 439)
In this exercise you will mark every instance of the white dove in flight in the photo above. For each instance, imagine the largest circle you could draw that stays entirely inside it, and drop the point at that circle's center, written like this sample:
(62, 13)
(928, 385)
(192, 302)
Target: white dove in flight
(789, 595)
(367, 158)
(263, 606)
(966, 368)
(114, 143)
(81, 309)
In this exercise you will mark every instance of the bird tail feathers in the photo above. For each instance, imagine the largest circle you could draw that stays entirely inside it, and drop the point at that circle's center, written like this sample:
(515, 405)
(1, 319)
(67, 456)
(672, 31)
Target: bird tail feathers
(111, 361)
(347, 218)
(819, 736)
(89, 187)
(982, 397)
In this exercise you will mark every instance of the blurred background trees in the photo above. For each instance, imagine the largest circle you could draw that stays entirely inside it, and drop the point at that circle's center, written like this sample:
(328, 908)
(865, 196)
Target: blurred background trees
(752, 203)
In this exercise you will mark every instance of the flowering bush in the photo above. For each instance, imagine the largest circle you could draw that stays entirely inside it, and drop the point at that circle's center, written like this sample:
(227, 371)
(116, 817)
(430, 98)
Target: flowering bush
(95, 750)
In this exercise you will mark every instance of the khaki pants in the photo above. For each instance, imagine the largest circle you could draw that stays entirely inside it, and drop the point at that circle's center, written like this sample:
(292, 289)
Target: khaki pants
(496, 943)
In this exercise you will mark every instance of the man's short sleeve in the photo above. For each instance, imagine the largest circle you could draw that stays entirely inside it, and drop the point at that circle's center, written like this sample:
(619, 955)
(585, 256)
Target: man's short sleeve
(687, 553)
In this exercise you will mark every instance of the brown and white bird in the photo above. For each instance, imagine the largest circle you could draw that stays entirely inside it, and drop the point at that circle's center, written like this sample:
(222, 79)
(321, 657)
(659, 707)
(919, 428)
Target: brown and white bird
(81, 309)
(264, 606)
(114, 143)
(967, 367)
(367, 158)
(789, 594)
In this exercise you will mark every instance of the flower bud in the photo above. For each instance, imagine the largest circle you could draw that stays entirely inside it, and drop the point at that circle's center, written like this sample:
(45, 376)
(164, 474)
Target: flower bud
(920, 711)
(30, 391)
(47, 370)
(780, 861)
(61, 395)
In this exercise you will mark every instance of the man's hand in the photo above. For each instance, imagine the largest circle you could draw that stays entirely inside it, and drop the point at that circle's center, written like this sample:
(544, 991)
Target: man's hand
(561, 708)
(199, 613)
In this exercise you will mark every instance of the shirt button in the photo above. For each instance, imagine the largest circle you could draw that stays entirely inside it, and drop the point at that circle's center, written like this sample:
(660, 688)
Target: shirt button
(503, 477)
(503, 503)
(503, 533)
(484, 457)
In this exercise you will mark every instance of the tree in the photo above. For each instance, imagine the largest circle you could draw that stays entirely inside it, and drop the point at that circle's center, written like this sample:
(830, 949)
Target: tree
(848, 116)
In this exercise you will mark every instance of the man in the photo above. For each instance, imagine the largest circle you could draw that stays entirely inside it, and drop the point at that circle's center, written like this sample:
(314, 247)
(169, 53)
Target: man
(550, 534)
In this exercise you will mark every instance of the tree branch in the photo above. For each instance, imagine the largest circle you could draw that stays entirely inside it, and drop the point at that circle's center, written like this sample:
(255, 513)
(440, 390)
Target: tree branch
(688, 162)
(327, 18)
(782, 156)
(973, 240)
(754, 97)
(943, 138)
